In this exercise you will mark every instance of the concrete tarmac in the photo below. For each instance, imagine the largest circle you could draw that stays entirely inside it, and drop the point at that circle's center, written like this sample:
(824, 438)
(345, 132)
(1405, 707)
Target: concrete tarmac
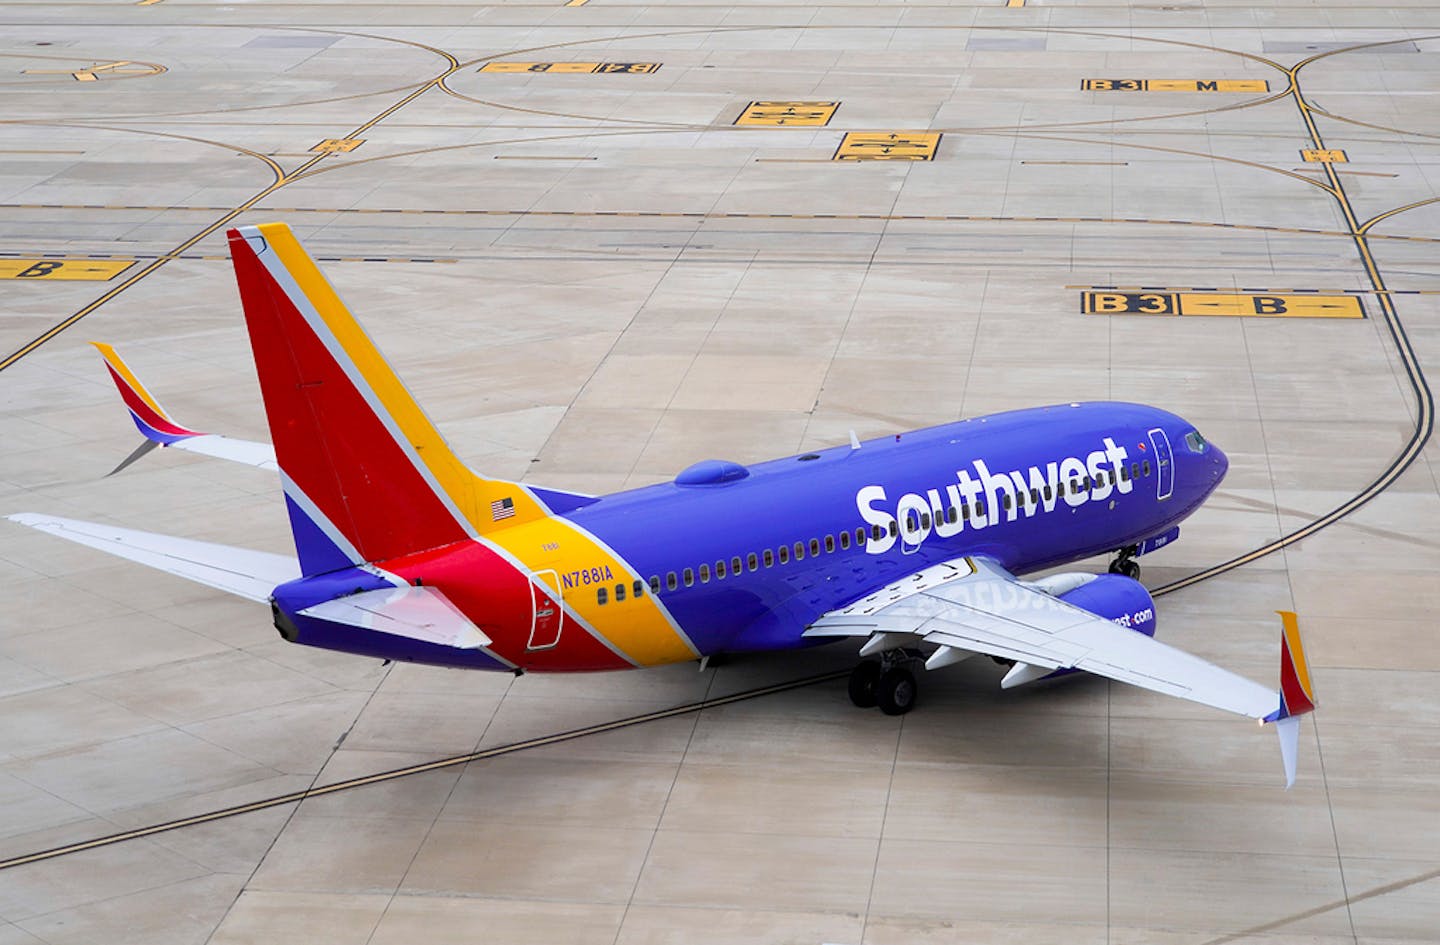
(603, 241)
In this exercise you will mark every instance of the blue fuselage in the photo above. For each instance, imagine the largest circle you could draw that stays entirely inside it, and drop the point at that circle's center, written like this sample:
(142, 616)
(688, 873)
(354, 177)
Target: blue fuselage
(1030, 489)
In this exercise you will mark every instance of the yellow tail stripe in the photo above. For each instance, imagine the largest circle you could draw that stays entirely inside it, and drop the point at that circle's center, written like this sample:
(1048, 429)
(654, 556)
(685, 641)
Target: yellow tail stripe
(1297, 650)
(471, 494)
(112, 358)
(638, 628)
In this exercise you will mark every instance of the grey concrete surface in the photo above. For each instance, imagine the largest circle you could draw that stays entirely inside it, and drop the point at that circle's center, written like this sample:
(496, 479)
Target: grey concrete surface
(591, 281)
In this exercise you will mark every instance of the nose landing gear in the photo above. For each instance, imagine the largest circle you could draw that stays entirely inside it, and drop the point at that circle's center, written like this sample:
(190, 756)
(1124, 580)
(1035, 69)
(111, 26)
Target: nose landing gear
(888, 683)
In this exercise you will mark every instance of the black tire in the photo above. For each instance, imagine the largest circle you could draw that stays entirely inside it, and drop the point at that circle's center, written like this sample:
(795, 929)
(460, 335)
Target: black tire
(863, 680)
(897, 691)
(1126, 567)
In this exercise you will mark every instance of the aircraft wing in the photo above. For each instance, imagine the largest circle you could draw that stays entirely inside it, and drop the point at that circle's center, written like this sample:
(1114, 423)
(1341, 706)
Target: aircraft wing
(971, 605)
(238, 571)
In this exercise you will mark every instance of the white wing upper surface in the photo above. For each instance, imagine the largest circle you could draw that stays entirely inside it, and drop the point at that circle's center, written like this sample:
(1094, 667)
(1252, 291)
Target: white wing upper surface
(974, 605)
(238, 571)
(249, 452)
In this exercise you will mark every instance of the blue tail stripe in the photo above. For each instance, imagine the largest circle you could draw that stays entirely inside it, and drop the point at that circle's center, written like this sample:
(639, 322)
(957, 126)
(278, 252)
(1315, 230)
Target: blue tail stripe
(317, 553)
(150, 433)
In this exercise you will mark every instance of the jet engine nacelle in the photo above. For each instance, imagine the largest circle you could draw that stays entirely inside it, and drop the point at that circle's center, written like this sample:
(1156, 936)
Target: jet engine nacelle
(1112, 596)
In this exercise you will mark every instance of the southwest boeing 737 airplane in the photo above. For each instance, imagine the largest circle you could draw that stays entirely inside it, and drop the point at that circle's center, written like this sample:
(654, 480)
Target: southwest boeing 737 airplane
(912, 543)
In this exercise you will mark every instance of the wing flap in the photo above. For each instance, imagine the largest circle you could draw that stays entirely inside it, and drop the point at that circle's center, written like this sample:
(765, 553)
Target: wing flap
(238, 571)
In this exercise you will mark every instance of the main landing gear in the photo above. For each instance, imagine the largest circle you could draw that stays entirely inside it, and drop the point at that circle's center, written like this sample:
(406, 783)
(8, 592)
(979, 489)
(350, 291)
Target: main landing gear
(1124, 563)
(888, 683)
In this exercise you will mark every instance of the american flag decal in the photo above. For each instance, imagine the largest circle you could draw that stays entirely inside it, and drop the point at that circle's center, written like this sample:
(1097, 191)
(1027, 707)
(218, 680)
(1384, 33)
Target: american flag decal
(502, 508)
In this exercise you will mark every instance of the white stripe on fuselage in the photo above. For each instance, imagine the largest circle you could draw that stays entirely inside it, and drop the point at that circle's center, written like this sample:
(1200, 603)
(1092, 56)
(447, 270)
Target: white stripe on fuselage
(995, 489)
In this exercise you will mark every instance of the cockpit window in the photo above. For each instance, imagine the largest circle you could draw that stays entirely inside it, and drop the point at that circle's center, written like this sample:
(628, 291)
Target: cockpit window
(1195, 441)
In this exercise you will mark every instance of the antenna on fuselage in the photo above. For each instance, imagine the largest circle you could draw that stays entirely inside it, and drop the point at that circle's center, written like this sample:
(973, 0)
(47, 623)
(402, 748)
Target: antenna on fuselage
(854, 441)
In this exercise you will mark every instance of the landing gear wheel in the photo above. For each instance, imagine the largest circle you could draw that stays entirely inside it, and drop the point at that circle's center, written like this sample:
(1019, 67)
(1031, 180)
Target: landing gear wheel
(864, 679)
(897, 691)
(1126, 567)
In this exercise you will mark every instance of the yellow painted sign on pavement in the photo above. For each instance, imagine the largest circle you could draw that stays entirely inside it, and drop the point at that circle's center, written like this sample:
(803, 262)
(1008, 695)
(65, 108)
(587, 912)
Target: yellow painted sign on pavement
(1174, 85)
(583, 68)
(338, 145)
(788, 113)
(1220, 303)
(67, 270)
(888, 146)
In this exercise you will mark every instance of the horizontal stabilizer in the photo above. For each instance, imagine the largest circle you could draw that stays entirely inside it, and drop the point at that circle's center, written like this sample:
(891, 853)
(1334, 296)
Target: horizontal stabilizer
(417, 613)
(239, 571)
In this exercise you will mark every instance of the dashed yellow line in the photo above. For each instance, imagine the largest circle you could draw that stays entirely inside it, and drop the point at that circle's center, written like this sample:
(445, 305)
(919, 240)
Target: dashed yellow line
(697, 215)
(210, 257)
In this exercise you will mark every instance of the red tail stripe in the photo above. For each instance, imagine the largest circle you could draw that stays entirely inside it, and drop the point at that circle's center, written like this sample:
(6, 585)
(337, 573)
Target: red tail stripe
(1296, 700)
(144, 411)
(360, 478)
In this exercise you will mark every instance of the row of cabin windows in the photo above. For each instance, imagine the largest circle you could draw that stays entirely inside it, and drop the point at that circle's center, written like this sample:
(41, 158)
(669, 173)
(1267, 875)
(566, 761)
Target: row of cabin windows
(737, 565)
(768, 558)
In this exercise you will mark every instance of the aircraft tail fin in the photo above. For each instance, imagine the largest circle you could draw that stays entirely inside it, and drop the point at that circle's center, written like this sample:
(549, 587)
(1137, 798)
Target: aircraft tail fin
(1297, 694)
(366, 475)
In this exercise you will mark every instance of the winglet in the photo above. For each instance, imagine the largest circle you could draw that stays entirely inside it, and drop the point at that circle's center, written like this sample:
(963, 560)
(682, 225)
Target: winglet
(150, 418)
(1297, 695)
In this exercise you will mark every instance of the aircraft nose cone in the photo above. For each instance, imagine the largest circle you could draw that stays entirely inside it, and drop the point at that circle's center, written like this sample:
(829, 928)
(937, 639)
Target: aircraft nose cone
(1221, 461)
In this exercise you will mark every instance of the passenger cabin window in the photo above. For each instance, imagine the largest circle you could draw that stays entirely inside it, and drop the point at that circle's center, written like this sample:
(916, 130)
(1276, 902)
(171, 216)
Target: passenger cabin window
(829, 543)
(619, 592)
(844, 540)
(784, 554)
(894, 528)
(1147, 467)
(671, 582)
(1048, 492)
(752, 562)
(1005, 502)
(689, 578)
(769, 558)
(601, 596)
(735, 566)
(860, 534)
(720, 569)
(924, 520)
(704, 574)
(639, 589)
(799, 551)
(814, 547)
(952, 514)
